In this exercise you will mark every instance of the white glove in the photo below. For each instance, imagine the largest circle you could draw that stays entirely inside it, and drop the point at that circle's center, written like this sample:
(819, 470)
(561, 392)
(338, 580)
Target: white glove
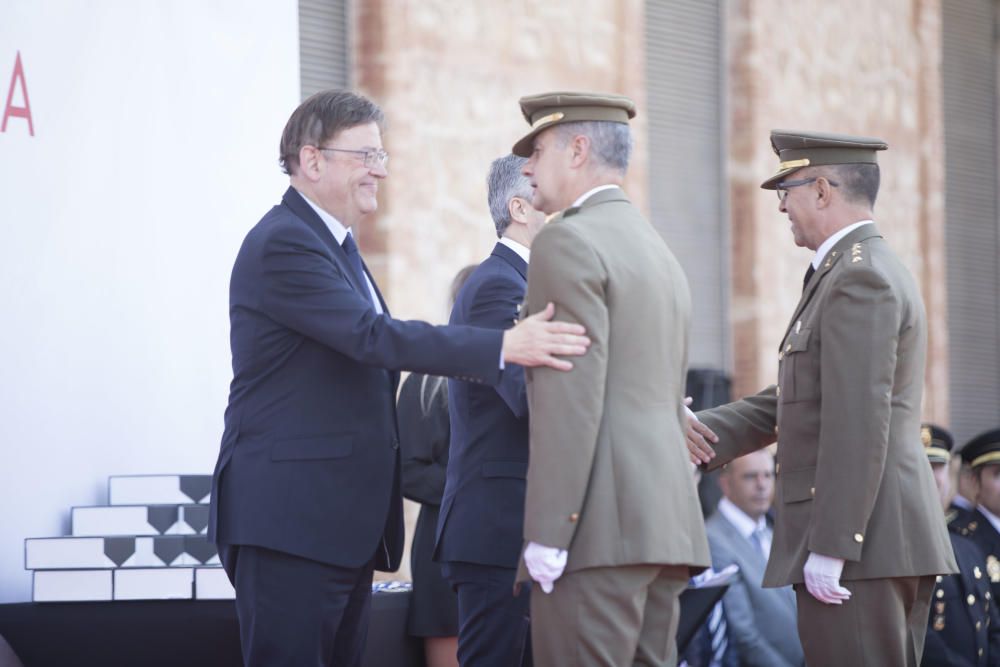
(545, 564)
(822, 575)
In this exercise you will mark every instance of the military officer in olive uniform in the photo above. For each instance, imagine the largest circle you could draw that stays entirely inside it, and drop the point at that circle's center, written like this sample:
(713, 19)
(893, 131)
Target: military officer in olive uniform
(858, 529)
(612, 521)
(963, 629)
(983, 525)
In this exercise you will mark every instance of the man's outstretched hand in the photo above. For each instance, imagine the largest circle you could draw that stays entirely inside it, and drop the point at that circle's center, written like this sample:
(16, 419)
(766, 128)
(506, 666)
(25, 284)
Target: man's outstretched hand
(535, 341)
(698, 436)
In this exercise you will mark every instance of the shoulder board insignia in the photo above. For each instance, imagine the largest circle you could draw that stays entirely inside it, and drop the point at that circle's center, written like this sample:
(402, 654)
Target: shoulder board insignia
(993, 569)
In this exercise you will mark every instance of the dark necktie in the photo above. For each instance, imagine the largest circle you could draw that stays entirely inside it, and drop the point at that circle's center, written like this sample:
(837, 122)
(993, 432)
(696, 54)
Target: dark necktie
(354, 259)
(809, 274)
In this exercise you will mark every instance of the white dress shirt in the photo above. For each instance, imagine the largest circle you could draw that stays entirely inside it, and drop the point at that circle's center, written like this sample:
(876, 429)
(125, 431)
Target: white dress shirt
(745, 525)
(832, 241)
(991, 517)
(963, 502)
(522, 250)
(340, 233)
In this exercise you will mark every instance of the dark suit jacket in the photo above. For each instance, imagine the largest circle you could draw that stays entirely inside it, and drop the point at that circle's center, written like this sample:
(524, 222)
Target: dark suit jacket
(309, 462)
(482, 514)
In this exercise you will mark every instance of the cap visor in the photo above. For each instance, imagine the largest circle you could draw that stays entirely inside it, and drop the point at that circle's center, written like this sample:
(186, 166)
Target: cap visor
(772, 183)
(526, 144)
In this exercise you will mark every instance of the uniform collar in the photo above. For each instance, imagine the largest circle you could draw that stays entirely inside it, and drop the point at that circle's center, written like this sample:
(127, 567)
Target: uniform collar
(828, 244)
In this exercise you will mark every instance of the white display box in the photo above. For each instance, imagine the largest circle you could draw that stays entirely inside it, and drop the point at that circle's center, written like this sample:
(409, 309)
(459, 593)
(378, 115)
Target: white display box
(212, 583)
(71, 585)
(154, 584)
(139, 520)
(159, 489)
(65, 553)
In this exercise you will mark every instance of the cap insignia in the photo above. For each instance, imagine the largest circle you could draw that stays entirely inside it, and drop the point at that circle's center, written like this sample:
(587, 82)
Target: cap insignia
(552, 117)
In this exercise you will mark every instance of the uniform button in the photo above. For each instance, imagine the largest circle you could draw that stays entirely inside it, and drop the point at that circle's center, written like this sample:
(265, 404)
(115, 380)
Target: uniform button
(812, 491)
(574, 517)
(777, 392)
(859, 538)
(979, 626)
(977, 573)
(940, 593)
(971, 599)
(938, 579)
(980, 653)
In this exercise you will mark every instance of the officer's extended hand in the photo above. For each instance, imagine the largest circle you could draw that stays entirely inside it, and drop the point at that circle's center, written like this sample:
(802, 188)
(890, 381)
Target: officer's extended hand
(822, 575)
(534, 341)
(697, 436)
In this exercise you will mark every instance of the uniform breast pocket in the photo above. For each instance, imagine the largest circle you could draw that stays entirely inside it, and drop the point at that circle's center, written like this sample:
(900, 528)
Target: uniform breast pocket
(800, 367)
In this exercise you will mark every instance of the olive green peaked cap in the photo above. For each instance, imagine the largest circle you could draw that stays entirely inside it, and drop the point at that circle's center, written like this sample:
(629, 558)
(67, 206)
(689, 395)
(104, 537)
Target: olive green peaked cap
(548, 109)
(812, 149)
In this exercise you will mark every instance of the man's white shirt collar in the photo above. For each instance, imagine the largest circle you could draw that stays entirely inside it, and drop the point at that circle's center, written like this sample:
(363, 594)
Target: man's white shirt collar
(340, 233)
(586, 195)
(336, 227)
(743, 523)
(522, 250)
(991, 517)
(832, 241)
(962, 502)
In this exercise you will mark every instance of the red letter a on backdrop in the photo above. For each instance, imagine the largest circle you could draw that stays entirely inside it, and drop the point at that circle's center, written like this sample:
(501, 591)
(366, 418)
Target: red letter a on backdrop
(11, 110)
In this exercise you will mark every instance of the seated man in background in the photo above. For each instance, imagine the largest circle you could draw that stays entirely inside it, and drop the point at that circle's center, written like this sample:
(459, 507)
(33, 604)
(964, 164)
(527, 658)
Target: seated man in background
(963, 628)
(760, 621)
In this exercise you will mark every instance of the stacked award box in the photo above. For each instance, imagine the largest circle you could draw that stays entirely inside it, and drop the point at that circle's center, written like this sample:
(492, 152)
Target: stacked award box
(148, 543)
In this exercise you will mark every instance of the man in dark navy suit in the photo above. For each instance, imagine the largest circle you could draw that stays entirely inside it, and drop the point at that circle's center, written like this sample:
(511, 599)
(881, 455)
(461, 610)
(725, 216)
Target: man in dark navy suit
(482, 512)
(305, 496)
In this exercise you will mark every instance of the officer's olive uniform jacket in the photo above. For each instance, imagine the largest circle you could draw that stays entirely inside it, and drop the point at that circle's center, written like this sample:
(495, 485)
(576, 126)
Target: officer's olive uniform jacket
(608, 473)
(853, 480)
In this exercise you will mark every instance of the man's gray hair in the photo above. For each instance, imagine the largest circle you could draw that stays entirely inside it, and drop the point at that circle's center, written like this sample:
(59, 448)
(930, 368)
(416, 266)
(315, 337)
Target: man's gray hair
(503, 184)
(610, 142)
(320, 118)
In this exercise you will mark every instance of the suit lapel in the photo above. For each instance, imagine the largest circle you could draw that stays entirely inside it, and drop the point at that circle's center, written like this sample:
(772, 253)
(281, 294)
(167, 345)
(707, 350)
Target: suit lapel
(839, 249)
(295, 202)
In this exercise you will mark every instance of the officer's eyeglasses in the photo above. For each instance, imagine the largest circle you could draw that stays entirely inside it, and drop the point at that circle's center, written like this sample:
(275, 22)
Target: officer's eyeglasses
(782, 188)
(371, 158)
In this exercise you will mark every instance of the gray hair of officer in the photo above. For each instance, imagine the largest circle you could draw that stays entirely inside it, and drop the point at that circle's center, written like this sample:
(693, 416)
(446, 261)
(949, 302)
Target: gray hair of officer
(505, 181)
(320, 118)
(610, 143)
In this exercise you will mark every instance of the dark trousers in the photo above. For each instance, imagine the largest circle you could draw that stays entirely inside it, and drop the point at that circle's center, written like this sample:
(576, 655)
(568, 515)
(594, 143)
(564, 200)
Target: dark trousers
(883, 624)
(493, 626)
(296, 611)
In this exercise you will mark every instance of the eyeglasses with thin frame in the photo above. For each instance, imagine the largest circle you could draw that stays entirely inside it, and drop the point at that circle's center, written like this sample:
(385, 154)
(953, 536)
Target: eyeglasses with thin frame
(370, 158)
(782, 188)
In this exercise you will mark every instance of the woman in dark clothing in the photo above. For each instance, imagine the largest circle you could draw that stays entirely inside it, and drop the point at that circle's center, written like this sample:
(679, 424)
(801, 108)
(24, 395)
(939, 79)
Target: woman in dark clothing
(422, 411)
